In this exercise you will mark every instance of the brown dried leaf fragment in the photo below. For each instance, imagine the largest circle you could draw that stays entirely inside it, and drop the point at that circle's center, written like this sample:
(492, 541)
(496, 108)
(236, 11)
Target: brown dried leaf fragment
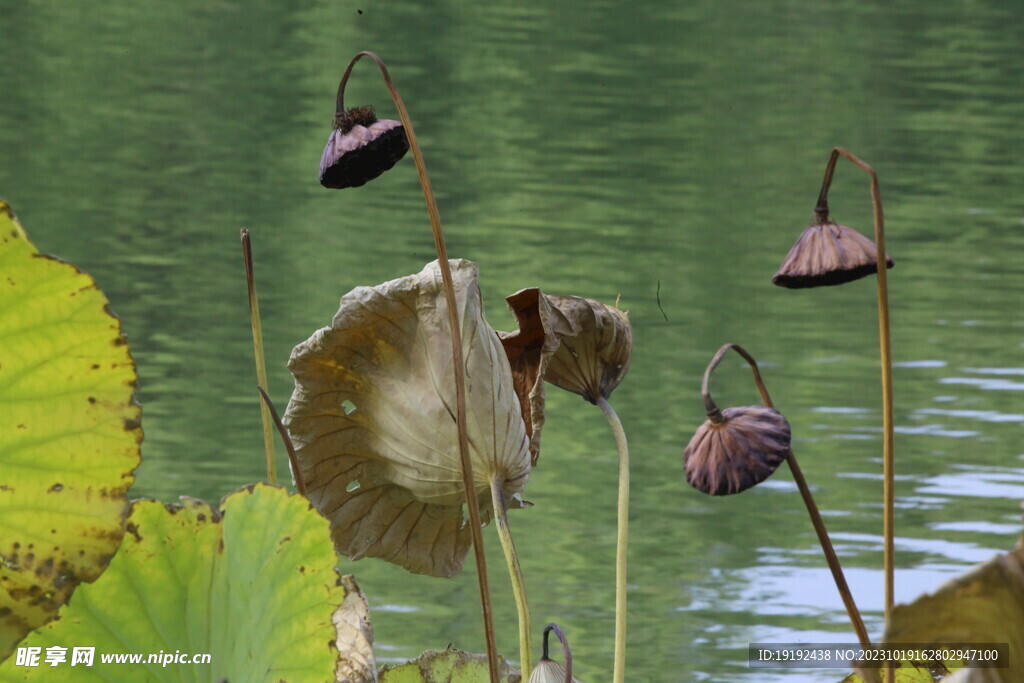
(529, 351)
(356, 663)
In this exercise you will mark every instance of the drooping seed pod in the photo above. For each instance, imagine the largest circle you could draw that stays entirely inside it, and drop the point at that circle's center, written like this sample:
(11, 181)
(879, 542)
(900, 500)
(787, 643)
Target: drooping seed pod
(828, 254)
(737, 448)
(737, 452)
(548, 670)
(360, 148)
(593, 359)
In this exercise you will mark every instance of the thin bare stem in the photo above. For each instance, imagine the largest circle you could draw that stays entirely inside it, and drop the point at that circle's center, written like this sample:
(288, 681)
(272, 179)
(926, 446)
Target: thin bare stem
(821, 209)
(805, 492)
(472, 503)
(515, 574)
(885, 353)
(293, 458)
(261, 363)
(622, 540)
(830, 553)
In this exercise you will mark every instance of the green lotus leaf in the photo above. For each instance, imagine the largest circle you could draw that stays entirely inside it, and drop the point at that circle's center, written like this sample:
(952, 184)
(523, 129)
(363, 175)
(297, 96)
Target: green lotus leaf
(69, 432)
(448, 666)
(252, 584)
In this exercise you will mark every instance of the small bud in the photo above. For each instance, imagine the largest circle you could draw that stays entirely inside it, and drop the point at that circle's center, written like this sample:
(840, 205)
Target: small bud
(360, 148)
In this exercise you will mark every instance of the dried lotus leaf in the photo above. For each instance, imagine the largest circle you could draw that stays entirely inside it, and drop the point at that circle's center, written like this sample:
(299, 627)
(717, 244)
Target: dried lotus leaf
(356, 662)
(983, 605)
(373, 420)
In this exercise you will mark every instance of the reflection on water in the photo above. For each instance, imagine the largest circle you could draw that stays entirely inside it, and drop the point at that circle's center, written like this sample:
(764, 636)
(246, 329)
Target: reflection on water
(600, 149)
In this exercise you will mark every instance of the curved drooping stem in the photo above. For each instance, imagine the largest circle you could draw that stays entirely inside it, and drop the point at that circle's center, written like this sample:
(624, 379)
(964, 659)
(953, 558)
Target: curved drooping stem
(566, 652)
(622, 539)
(713, 413)
(885, 352)
(257, 347)
(515, 574)
(472, 504)
(821, 208)
(801, 483)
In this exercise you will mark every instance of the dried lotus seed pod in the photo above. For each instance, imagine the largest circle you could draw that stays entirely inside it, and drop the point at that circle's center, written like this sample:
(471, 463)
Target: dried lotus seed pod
(828, 254)
(360, 148)
(740, 450)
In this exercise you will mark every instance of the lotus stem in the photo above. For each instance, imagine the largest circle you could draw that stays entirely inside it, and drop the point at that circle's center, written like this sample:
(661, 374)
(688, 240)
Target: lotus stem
(515, 574)
(472, 503)
(293, 458)
(566, 652)
(622, 540)
(885, 353)
(713, 413)
(805, 492)
(830, 553)
(261, 363)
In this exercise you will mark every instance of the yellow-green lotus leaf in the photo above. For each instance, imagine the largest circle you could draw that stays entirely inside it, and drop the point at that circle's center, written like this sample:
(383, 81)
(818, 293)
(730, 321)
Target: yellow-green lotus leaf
(907, 672)
(448, 666)
(69, 432)
(252, 584)
(373, 420)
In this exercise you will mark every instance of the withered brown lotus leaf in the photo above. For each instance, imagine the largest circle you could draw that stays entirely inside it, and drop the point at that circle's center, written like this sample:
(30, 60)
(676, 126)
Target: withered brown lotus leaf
(373, 420)
(591, 360)
(983, 605)
(529, 351)
(828, 254)
(360, 148)
(740, 451)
